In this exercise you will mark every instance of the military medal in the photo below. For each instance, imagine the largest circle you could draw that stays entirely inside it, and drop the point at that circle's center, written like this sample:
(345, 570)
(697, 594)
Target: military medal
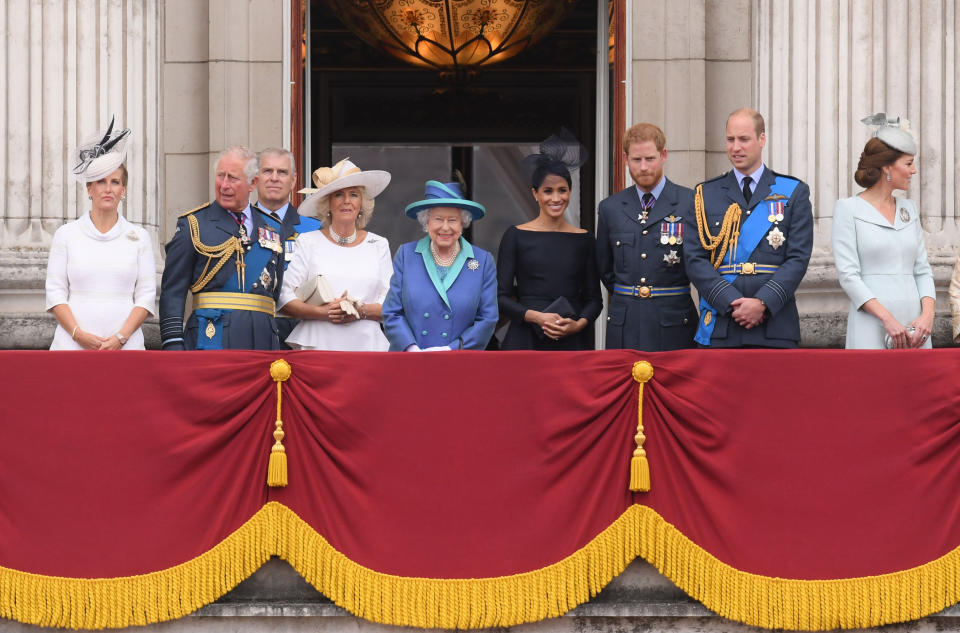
(244, 238)
(904, 214)
(268, 238)
(776, 238)
(664, 233)
(679, 232)
(211, 330)
(289, 246)
(776, 212)
(264, 278)
(671, 258)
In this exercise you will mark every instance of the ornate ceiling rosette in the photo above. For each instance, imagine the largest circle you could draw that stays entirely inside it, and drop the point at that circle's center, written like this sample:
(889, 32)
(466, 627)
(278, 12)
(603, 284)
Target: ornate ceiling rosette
(451, 34)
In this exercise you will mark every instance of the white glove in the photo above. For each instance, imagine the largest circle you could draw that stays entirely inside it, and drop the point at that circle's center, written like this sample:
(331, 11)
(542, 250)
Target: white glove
(442, 348)
(413, 347)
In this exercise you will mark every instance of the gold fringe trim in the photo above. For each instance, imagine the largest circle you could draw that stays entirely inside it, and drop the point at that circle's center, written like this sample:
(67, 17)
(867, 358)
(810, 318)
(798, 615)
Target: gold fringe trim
(809, 605)
(469, 603)
(99, 603)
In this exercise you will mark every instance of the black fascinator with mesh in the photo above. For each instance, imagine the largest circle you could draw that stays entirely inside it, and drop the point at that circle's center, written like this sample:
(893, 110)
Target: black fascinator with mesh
(559, 154)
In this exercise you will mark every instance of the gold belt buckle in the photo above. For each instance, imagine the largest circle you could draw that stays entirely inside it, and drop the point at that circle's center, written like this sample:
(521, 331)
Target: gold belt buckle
(748, 269)
(643, 291)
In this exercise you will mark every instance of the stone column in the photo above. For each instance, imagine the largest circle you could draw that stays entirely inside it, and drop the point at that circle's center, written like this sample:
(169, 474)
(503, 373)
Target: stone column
(66, 66)
(820, 68)
(224, 85)
(667, 81)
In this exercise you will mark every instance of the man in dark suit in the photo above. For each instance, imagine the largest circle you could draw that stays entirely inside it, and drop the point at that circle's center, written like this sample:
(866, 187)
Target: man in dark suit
(278, 173)
(229, 254)
(640, 244)
(751, 236)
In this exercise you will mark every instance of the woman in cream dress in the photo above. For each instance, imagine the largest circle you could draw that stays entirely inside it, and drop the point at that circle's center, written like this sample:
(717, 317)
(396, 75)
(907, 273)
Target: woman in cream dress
(351, 259)
(879, 251)
(101, 277)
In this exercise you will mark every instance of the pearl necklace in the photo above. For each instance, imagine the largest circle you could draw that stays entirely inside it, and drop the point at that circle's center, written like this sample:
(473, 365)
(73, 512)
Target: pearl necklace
(447, 261)
(343, 240)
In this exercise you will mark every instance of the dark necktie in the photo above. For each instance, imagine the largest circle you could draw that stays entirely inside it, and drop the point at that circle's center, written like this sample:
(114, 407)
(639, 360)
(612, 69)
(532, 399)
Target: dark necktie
(646, 203)
(240, 216)
(746, 188)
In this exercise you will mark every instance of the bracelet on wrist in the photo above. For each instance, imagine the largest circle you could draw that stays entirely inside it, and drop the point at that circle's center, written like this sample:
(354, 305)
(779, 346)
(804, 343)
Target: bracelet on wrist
(73, 334)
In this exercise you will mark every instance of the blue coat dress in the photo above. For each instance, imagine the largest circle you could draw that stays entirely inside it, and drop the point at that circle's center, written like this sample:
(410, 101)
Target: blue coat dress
(460, 311)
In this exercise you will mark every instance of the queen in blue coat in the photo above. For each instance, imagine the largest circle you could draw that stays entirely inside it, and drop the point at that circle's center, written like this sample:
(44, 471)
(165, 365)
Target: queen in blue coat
(443, 293)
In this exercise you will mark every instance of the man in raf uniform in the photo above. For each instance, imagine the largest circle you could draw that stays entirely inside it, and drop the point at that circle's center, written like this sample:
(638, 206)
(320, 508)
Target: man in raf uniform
(229, 254)
(640, 244)
(751, 233)
(278, 172)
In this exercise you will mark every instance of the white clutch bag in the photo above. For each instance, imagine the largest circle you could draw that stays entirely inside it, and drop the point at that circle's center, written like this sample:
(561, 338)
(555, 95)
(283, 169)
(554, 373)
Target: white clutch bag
(316, 291)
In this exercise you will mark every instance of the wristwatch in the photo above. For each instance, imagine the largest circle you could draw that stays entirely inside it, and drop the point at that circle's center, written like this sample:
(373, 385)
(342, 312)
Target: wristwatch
(121, 338)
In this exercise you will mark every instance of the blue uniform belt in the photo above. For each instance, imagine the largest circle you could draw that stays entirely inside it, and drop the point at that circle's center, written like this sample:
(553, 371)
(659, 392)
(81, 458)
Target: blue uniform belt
(648, 292)
(234, 301)
(748, 268)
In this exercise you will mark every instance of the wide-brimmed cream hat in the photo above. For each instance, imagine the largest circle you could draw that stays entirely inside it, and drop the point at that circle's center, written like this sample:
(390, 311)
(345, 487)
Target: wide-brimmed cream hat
(341, 176)
(99, 156)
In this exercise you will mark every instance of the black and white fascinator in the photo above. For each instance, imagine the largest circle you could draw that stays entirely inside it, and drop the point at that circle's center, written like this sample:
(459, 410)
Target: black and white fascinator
(558, 149)
(100, 155)
(894, 131)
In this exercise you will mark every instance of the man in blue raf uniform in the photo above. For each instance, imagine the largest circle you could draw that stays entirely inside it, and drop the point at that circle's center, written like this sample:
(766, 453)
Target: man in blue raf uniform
(751, 236)
(640, 242)
(230, 256)
(275, 180)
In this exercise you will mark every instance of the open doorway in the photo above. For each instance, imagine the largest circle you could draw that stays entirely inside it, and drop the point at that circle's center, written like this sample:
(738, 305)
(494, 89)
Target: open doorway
(419, 125)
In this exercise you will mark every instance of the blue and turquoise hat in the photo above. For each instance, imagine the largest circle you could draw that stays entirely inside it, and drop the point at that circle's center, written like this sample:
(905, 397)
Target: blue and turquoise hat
(449, 194)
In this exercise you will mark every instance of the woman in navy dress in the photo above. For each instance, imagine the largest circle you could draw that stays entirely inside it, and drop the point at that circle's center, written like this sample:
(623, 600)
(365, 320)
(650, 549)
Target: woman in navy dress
(548, 284)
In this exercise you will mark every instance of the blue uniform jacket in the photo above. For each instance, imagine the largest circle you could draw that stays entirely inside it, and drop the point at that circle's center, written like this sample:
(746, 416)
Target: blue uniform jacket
(460, 312)
(184, 265)
(781, 327)
(629, 252)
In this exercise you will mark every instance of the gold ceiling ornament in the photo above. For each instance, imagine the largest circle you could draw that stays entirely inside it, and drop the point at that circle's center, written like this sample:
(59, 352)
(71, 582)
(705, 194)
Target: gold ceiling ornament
(451, 34)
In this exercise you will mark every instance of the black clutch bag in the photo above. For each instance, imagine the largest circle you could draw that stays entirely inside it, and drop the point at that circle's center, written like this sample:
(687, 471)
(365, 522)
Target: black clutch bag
(561, 306)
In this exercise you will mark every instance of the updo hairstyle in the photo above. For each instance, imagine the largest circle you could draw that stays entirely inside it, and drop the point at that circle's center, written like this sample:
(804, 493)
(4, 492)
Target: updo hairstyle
(545, 169)
(875, 156)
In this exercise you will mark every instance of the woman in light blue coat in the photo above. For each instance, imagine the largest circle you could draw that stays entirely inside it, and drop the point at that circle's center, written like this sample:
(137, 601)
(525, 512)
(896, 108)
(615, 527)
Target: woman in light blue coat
(879, 250)
(443, 293)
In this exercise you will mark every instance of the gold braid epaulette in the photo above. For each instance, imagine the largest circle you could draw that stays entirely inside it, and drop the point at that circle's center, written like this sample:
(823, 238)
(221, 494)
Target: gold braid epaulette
(729, 233)
(222, 252)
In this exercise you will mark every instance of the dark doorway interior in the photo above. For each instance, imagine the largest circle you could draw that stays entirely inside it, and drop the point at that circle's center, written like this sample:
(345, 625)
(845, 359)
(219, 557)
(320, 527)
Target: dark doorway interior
(418, 125)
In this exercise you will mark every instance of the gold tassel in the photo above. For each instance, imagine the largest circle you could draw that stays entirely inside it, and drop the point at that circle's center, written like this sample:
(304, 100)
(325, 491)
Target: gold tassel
(639, 468)
(277, 466)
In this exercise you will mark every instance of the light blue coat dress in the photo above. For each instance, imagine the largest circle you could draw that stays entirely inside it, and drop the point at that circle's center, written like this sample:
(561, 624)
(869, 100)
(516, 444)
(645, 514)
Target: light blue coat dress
(878, 261)
(459, 311)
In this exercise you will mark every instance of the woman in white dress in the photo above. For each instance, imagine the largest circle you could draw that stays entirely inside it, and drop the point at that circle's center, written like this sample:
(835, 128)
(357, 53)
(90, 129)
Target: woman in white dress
(879, 250)
(352, 260)
(101, 276)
